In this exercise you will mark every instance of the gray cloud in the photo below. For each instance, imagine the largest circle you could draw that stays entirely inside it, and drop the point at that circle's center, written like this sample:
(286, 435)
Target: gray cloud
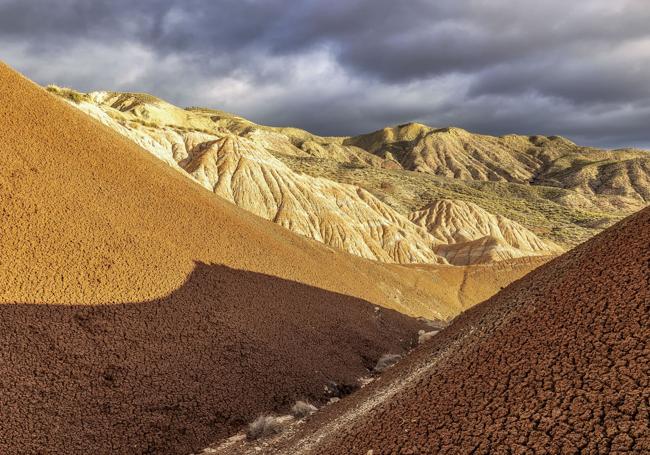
(578, 69)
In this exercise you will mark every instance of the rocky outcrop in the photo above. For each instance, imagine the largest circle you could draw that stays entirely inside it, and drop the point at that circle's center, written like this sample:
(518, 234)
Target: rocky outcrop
(470, 235)
(342, 216)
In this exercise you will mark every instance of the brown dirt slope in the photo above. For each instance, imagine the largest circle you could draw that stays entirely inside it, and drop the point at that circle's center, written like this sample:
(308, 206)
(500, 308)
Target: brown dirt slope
(172, 374)
(558, 362)
(136, 323)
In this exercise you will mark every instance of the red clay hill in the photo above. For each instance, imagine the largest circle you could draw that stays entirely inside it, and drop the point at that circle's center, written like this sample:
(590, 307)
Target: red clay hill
(134, 323)
(558, 362)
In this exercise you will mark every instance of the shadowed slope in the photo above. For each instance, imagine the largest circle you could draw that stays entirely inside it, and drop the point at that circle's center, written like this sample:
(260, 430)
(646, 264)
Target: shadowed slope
(172, 374)
(87, 220)
(555, 363)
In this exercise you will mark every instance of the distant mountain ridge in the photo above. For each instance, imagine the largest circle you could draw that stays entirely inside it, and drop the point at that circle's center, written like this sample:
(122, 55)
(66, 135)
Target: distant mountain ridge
(352, 193)
(537, 160)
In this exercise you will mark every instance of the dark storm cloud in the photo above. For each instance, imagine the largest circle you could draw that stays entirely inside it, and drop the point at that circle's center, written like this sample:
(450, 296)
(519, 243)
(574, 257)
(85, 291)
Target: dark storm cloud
(579, 69)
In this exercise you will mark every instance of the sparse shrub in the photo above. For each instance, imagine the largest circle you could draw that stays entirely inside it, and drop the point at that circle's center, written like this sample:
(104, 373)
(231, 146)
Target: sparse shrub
(265, 425)
(76, 97)
(386, 361)
(302, 409)
(423, 336)
(332, 389)
(72, 95)
(354, 165)
(149, 123)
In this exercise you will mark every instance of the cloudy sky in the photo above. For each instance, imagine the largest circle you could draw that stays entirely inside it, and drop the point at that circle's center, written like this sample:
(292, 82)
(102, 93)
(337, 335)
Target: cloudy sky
(577, 68)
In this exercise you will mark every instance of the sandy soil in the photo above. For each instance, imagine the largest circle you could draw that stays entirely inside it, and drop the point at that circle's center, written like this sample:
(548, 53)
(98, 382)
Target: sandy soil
(88, 218)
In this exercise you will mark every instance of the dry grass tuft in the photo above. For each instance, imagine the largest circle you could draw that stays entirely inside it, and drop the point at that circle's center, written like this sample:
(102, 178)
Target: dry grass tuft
(302, 409)
(423, 336)
(386, 361)
(265, 425)
(67, 93)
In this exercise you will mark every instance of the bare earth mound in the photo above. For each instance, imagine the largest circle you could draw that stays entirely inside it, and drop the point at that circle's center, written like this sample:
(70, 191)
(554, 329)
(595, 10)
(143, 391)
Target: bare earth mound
(88, 217)
(558, 362)
(114, 340)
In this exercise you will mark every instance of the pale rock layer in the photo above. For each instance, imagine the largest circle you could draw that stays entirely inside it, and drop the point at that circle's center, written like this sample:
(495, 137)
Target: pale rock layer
(470, 235)
(237, 161)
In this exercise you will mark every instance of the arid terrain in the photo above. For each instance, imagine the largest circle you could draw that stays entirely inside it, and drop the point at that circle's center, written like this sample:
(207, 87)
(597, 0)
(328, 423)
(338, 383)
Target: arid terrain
(129, 319)
(342, 227)
(171, 275)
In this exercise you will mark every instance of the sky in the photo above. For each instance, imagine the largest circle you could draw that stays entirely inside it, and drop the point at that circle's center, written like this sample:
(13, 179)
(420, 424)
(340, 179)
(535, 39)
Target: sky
(579, 69)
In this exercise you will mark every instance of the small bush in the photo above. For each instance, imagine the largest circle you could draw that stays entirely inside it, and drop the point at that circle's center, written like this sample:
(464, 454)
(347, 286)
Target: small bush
(149, 123)
(423, 336)
(355, 165)
(264, 426)
(386, 361)
(302, 409)
(72, 95)
(332, 389)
